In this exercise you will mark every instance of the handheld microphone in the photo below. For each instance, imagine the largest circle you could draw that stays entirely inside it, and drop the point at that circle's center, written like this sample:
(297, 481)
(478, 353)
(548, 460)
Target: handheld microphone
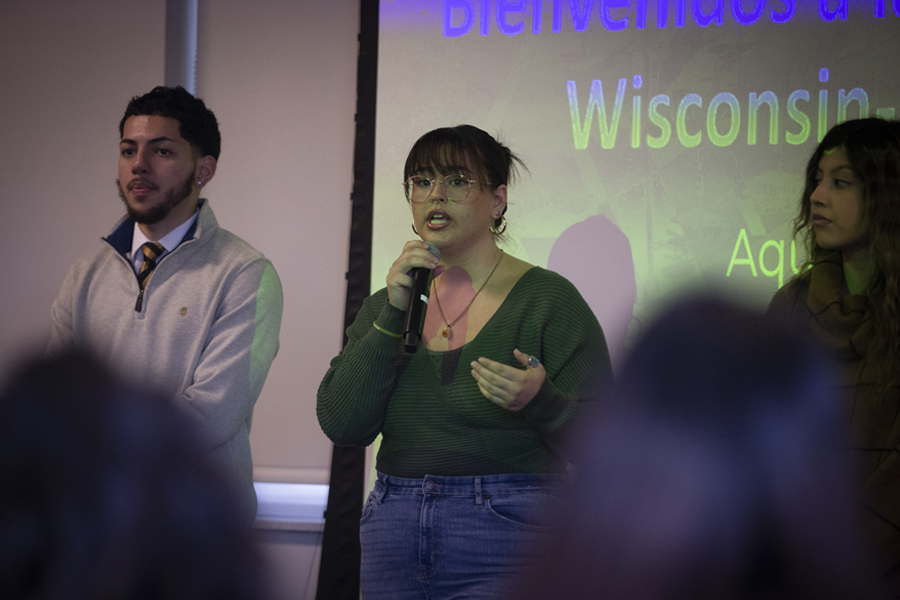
(418, 303)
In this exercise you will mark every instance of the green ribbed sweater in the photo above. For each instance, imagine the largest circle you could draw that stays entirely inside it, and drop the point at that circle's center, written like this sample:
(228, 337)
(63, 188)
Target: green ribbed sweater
(427, 405)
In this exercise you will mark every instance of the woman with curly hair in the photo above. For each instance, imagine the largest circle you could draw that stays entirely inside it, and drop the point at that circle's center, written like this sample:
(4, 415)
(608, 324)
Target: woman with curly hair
(848, 299)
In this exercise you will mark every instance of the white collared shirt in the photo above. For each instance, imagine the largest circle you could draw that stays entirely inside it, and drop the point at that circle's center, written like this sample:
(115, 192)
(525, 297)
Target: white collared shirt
(168, 241)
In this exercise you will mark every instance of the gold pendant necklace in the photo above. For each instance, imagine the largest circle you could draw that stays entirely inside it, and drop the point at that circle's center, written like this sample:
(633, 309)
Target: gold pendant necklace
(447, 332)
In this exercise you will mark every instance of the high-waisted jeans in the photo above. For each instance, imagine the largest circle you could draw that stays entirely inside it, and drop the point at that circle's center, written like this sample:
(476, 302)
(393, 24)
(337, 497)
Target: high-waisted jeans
(452, 537)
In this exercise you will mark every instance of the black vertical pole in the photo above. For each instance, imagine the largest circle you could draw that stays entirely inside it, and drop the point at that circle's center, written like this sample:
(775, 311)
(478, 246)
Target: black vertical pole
(339, 568)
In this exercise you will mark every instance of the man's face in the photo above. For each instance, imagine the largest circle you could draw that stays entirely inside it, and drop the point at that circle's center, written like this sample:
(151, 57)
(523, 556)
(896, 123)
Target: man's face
(157, 172)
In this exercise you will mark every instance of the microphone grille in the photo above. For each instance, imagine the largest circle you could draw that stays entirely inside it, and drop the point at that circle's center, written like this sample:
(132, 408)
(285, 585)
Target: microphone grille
(434, 250)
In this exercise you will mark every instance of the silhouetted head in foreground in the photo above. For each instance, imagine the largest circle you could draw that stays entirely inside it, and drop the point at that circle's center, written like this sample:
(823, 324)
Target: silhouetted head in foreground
(716, 474)
(104, 495)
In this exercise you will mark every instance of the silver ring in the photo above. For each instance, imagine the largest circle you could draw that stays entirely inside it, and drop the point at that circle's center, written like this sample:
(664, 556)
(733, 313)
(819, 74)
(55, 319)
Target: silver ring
(533, 362)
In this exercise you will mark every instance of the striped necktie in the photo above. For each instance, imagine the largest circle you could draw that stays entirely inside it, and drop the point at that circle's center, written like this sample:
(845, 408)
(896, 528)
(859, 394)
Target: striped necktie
(151, 254)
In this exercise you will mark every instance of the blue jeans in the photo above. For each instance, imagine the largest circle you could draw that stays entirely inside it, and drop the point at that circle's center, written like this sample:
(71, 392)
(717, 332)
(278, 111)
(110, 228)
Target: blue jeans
(452, 537)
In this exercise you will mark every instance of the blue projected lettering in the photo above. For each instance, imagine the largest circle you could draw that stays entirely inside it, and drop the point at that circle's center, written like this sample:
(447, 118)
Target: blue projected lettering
(748, 18)
(506, 8)
(610, 23)
(680, 11)
(879, 8)
(581, 15)
(827, 14)
(716, 15)
(536, 17)
(511, 17)
(451, 30)
(783, 17)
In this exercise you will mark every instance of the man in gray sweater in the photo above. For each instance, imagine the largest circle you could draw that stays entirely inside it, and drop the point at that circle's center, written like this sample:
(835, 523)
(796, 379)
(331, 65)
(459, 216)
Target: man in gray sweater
(172, 300)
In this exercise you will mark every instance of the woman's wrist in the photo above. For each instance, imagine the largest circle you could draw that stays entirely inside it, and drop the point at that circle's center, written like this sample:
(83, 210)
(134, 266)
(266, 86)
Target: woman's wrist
(385, 331)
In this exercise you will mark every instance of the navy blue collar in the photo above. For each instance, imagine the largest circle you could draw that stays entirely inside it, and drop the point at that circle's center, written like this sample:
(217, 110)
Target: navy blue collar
(120, 238)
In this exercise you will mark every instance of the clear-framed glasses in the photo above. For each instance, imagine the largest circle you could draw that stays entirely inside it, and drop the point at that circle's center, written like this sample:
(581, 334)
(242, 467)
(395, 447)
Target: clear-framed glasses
(418, 188)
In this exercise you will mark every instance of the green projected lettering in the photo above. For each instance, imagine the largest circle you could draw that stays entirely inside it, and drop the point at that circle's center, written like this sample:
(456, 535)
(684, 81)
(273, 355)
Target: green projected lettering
(754, 103)
(731, 102)
(608, 126)
(721, 122)
(798, 116)
(688, 140)
(743, 256)
(665, 128)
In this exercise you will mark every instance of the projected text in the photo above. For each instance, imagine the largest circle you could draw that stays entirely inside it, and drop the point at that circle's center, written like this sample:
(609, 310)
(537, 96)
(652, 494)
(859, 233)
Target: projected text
(692, 120)
(510, 17)
(744, 257)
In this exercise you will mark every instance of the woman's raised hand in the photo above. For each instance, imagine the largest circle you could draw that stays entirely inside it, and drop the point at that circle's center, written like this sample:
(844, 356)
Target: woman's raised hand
(415, 254)
(506, 386)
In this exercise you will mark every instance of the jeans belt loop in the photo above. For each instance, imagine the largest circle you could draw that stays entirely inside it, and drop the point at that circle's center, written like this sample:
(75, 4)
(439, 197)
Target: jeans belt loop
(478, 500)
(380, 493)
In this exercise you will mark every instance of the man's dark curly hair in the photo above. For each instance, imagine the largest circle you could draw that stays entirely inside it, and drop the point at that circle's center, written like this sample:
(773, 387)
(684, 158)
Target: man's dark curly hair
(198, 124)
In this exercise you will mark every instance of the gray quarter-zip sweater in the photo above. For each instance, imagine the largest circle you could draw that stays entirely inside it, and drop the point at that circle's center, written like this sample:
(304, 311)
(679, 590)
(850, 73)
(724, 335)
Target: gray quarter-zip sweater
(204, 331)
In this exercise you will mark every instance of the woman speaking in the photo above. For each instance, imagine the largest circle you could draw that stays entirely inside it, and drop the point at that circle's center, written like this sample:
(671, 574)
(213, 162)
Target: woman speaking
(472, 422)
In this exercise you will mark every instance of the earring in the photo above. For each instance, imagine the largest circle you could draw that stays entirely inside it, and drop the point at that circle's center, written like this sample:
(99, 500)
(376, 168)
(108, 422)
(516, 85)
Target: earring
(502, 228)
(199, 182)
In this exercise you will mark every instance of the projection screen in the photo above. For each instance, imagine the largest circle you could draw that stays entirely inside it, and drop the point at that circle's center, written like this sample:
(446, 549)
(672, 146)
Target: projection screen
(665, 139)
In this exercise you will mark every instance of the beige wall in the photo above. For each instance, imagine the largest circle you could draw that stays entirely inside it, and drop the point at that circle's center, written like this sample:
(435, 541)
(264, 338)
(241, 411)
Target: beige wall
(280, 76)
(66, 73)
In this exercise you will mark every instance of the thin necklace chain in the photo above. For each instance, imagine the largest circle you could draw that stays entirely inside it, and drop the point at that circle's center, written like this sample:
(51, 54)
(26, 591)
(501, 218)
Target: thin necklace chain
(448, 331)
